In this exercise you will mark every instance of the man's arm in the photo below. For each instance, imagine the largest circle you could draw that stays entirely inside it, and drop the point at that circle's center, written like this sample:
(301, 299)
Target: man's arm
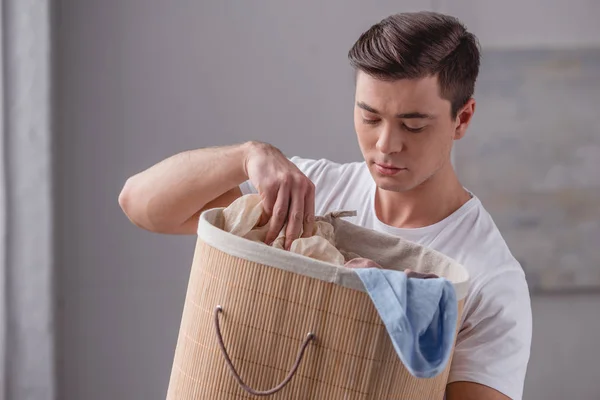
(169, 196)
(472, 391)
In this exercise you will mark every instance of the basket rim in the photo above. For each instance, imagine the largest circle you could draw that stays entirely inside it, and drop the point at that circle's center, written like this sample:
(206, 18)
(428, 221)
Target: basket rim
(210, 233)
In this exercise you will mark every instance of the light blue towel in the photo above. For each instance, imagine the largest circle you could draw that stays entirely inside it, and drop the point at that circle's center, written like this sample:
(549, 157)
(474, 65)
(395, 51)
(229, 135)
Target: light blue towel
(419, 314)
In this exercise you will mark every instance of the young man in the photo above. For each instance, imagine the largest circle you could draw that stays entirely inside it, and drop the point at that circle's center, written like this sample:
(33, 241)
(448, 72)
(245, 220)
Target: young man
(415, 77)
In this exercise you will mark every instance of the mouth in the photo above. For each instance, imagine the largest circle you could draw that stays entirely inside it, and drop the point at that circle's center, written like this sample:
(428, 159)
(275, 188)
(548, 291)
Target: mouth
(388, 169)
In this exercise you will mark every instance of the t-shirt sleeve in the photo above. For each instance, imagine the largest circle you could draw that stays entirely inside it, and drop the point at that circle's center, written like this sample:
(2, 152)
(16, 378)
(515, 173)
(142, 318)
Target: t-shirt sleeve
(494, 343)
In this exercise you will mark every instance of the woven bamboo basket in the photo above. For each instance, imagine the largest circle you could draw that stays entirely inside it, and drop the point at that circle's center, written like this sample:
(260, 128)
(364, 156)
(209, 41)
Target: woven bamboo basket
(259, 321)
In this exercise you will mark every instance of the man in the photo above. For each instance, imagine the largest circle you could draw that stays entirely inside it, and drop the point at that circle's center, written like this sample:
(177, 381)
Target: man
(415, 77)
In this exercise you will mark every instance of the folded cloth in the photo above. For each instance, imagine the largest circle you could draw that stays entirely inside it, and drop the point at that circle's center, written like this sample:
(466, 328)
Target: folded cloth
(243, 215)
(420, 316)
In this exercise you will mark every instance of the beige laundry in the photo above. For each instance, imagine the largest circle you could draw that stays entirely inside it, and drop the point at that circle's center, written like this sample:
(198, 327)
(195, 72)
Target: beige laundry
(243, 215)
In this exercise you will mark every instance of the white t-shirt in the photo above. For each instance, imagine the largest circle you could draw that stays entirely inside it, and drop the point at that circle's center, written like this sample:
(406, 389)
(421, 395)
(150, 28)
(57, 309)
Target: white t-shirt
(493, 343)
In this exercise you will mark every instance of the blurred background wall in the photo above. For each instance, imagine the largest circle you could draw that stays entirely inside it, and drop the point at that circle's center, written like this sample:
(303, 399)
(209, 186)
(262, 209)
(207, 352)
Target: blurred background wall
(139, 80)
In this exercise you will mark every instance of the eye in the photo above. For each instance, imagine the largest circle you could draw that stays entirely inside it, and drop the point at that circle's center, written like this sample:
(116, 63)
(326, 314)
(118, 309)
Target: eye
(413, 130)
(370, 121)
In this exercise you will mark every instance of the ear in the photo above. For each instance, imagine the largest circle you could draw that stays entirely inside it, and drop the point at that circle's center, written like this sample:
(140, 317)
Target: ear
(463, 119)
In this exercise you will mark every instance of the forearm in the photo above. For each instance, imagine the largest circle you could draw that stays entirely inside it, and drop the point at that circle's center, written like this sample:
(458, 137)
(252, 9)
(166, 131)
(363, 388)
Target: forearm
(169, 193)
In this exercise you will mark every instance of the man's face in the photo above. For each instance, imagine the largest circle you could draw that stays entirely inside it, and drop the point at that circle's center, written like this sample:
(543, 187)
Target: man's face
(405, 130)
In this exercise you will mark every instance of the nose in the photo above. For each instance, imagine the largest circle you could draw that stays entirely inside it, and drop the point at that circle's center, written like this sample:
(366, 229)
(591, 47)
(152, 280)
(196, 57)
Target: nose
(389, 141)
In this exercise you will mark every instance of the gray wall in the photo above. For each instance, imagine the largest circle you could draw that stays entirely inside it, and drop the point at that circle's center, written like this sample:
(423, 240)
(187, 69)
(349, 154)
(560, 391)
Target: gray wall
(141, 80)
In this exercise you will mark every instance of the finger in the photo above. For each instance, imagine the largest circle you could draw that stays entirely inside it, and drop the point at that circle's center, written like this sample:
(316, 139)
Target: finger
(295, 218)
(309, 211)
(280, 212)
(269, 197)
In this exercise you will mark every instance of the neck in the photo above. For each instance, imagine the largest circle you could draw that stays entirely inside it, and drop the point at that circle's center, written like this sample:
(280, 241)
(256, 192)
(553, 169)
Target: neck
(430, 202)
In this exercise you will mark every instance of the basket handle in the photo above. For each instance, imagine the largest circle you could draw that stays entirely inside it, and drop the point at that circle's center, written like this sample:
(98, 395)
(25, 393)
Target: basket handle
(248, 389)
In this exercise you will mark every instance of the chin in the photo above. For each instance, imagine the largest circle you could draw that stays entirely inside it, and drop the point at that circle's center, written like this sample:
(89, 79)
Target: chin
(393, 185)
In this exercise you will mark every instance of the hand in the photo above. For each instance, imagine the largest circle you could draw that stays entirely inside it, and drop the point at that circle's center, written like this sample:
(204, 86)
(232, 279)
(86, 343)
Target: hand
(288, 195)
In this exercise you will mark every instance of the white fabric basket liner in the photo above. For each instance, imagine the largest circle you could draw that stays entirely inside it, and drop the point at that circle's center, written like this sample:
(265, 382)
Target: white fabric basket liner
(389, 251)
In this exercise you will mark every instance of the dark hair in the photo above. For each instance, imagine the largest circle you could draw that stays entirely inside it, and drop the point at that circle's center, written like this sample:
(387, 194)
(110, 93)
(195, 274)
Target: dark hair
(417, 45)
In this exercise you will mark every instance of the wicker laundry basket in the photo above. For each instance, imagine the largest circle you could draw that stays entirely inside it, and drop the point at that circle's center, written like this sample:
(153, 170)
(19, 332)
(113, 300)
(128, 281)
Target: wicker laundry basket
(257, 318)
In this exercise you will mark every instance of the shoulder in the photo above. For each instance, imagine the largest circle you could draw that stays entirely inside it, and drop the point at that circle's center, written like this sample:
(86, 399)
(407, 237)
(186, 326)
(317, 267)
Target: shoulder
(330, 176)
(337, 186)
(476, 242)
(497, 279)
(323, 169)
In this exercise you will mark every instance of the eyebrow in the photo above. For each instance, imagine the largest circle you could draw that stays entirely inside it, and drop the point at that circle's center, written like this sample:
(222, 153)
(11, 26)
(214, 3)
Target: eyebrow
(410, 115)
